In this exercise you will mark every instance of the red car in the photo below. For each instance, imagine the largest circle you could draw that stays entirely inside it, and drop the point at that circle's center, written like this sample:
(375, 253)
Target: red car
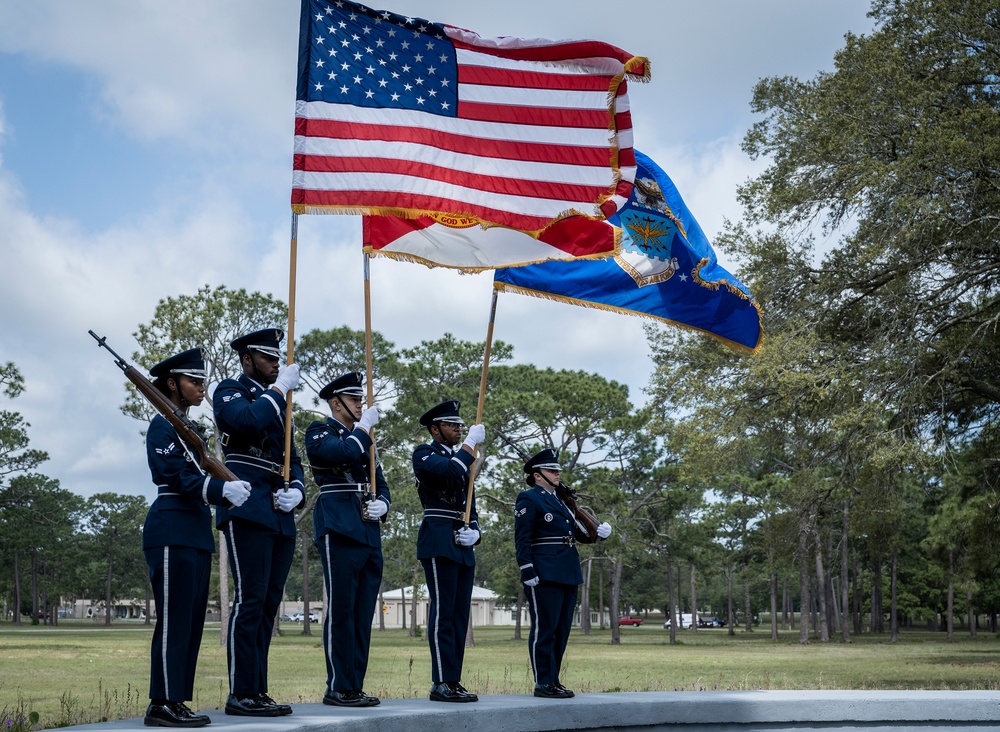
(629, 620)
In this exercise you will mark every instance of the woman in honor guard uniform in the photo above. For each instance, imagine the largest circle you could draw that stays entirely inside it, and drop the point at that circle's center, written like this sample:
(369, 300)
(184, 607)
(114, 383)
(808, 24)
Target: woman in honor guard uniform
(260, 534)
(347, 535)
(545, 534)
(444, 549)
(178, 543)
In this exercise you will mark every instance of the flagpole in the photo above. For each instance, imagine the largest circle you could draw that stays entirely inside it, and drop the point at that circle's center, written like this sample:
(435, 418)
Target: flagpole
(368, 368)
(290, 345)
(482, 399)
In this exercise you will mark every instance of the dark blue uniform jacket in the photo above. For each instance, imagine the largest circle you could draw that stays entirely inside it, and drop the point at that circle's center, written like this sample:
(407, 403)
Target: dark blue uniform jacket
(443, 484)
(339, 459)
(252, 421)
(180, 515)
(545, 534)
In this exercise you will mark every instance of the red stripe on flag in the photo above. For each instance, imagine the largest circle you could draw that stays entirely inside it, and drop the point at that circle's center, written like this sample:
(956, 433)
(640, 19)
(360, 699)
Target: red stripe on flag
(485, 76)
(534, 115)
(389, 200)
(483, 147)
(491, 184)
(568, 51)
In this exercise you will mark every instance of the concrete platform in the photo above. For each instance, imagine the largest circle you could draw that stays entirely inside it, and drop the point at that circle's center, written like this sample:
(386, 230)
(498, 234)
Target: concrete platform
(743, 711)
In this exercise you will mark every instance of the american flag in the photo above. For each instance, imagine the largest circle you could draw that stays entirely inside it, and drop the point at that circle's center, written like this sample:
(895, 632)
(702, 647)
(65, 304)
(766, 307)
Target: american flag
(402, 117)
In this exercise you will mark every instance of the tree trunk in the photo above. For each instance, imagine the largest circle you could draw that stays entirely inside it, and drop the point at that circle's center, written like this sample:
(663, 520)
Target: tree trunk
(804, 583)
(893, 596)
(600, 596)
(34, 588)
(223, 591)
(787, 614)
(149, 599)
(413, 606)
(773, 582)
(585, 599)
(845, 573)
(381, 606)
(616, 592)
(470, 639)
(680, 597)
(306, 625)
(972, 612)
(747, 610)
(951, 595)
(878, 614)
(730, 609)
(856, 595)
(107, 593)
(520, 609)
(824, 626)
(17, 587)
(671, 600)
(694, 600)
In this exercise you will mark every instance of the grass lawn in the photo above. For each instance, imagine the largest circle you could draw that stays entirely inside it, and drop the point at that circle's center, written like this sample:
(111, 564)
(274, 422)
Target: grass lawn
(82, 673)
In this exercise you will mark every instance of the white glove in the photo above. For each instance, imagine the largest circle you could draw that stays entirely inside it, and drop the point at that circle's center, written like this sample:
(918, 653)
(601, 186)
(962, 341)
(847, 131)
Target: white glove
(288, 500)
(236, 491)
(603, 530)
(467, 536)
(288, 378)
(477, 433)
(377, 508)
(369, 418)
(532, 582)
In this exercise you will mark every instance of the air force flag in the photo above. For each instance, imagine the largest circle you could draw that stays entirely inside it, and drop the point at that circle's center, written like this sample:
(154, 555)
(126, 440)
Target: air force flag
(666, 270)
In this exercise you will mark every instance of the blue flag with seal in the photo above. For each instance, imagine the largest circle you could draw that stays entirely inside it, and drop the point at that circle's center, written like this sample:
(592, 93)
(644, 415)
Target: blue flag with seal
(666, 270)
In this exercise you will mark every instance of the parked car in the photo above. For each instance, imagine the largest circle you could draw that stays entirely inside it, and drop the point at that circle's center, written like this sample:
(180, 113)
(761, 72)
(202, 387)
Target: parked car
(711, 622)
(630, 620)
(285, 618)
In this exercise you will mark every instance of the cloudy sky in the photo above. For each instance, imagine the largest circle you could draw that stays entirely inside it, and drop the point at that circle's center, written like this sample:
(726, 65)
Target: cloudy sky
(145, 150)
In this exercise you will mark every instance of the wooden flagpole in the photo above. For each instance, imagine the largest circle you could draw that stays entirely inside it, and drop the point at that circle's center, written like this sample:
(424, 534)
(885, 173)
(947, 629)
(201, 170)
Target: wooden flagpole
(369, 368)
(482, 399)
(290, 345)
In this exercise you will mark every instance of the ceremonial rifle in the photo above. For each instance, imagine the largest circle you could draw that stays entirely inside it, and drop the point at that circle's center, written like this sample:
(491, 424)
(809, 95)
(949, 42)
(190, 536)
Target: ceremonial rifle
(185, 426)
(586, 521)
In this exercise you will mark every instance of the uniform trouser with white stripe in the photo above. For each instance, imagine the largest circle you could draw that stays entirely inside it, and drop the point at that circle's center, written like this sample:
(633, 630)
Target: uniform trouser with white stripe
(259, 560)
(179, 576)
(449, 585)
(353, 573)
(551, 606)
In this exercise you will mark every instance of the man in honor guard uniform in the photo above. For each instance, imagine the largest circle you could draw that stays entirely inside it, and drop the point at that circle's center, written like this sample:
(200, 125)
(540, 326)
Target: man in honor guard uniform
(545, 535)
(347, 535)
(444, 543)
(260, 534)
(177, 542)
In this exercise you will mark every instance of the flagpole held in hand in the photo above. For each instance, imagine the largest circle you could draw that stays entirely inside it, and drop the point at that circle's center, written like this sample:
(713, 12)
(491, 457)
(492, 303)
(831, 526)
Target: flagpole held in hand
(482, 399)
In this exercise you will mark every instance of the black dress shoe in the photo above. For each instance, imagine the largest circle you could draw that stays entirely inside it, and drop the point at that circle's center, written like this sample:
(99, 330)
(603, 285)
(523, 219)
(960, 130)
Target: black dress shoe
(173, 714)
(462, 690)
(282, 708)
(372, 701)
(183, 709)
(347, 699)
(444, 692)
(250, 706)
(552, 691)
(568, 692)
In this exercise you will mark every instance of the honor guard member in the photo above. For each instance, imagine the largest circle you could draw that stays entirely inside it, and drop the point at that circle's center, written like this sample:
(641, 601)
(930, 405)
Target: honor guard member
(348, 535)
(178, 542)
(444, 543)
(260, 534)
(545, 535)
